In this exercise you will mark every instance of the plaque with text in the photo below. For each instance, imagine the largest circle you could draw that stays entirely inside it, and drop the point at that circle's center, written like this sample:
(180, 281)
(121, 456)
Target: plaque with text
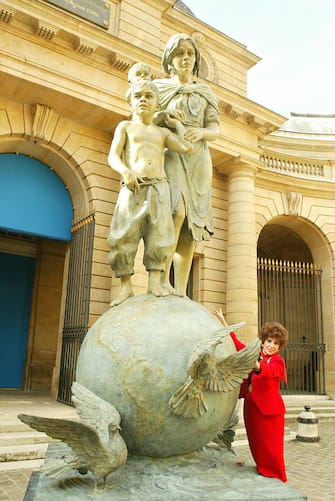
(95, 11)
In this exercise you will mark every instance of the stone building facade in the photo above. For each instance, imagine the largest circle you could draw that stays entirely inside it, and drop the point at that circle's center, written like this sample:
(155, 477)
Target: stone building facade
(63, 77)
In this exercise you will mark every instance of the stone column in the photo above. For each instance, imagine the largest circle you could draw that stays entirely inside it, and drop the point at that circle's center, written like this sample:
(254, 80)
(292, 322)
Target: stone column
(242, 302)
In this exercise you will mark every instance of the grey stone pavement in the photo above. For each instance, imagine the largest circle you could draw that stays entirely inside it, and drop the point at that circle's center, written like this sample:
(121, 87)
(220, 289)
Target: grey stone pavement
(310, 468)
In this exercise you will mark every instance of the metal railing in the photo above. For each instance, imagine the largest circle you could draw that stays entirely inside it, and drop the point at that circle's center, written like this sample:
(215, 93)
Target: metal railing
(77, 303)
(290, 292)
(305, 368)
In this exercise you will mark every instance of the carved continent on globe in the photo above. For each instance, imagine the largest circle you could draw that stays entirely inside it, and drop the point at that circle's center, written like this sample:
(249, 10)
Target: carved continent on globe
(135, 356)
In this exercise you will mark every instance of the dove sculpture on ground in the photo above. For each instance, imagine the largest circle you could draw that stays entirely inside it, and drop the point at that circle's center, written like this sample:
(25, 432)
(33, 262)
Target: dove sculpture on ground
(94, 439)
(206, 373)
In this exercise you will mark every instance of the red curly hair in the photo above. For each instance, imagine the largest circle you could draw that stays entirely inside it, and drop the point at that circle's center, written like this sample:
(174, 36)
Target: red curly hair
(274, 330)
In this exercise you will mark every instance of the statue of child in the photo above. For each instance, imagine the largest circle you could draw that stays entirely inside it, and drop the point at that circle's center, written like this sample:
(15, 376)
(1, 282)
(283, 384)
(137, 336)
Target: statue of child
(143, 209)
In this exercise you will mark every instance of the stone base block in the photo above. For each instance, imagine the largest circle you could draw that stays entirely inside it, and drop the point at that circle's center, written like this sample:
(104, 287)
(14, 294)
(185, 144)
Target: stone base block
(206, 474)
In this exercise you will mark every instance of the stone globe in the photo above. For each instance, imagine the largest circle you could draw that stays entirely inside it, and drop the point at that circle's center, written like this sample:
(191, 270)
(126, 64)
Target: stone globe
(135, 356)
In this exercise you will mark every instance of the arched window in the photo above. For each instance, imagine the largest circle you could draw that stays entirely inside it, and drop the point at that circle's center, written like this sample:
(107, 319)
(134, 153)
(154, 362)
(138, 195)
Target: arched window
(33, 199)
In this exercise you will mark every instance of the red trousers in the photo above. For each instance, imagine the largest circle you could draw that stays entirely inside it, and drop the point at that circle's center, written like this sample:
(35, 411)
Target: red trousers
(266, 439)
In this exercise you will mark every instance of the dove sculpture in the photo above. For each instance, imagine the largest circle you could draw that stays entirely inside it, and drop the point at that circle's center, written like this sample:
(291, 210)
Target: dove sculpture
(94, 439)
(206, 373)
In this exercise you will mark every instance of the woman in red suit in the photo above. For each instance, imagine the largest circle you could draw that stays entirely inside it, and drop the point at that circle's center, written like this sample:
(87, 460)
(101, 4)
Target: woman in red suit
(264, 408)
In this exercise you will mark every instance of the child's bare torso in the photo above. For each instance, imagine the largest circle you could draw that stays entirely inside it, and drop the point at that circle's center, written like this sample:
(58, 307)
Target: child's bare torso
(144, 149)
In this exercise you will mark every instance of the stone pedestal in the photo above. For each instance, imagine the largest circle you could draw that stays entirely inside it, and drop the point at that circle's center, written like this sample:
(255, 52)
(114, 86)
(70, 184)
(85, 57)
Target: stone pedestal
(206, 474)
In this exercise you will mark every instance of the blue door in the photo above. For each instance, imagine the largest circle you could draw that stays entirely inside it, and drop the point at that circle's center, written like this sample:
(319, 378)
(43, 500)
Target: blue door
(16, 284)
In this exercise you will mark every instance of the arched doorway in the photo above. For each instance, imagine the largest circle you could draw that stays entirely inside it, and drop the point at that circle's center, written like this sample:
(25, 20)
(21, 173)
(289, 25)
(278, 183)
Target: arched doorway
(16, 284)
(289, 290)
(35, 224)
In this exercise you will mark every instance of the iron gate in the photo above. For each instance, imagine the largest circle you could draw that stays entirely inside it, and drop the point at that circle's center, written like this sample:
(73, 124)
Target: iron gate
(77, 303)
(290, 293)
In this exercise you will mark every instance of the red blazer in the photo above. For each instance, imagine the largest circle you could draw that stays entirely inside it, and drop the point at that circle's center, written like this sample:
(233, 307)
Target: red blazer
(265, 385)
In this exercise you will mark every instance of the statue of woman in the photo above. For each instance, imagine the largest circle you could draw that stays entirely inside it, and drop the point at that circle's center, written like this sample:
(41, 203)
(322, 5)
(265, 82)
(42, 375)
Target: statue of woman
(190, 176)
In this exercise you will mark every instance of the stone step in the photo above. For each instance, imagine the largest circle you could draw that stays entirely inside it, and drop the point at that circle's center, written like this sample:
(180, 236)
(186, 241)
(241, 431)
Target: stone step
(13, 425)
(299, 406)
(291, 421)
(18, 454)
(322, 416)
(23, 438)
(307, 399)
(20, 445)
(29, 464)
(322, 406)
(316, 409)
(241, 435)
(241, 439)
(22, 452)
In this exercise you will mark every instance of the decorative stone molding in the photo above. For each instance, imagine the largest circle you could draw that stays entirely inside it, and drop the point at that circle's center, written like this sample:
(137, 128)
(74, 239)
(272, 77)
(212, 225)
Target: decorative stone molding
(199, 38)
(180, 27)
(294, 200)
(84, 46)
(209, 69)
(70, 36)
(45, 30)
(120, 63)
(270, 127)
(213, 74)
(227, 109)
(6, 16)
(42, 115)
(166, 4)
(251, 120)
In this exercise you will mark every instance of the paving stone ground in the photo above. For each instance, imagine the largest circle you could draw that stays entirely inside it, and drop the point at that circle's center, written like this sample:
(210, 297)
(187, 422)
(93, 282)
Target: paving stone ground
(310, 468)
(13, 484)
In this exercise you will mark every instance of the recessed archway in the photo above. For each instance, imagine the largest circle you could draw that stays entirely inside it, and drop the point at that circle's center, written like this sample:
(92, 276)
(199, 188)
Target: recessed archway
(43, 194)
(284, 241)
(34, 200)
(280, 242)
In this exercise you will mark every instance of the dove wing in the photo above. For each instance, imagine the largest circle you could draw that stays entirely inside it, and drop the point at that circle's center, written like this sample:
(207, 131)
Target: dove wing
(231, 371)
(94, 411)
(82, 439)
(188, 400)
(208, 344)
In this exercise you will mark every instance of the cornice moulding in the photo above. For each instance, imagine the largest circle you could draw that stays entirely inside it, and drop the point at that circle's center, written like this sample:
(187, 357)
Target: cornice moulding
(88, 40)
(45, 30)
(291, 158)
(308, 187)
(105, 52)
(6, 16)
(44, 14)
(242, 110)
(289, 145)
(240, 162)
(91, 36)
